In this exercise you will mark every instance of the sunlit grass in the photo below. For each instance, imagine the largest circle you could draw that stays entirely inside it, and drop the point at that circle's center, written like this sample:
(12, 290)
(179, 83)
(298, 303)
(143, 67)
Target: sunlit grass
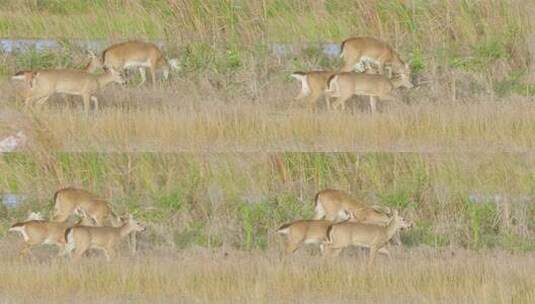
(201, 276)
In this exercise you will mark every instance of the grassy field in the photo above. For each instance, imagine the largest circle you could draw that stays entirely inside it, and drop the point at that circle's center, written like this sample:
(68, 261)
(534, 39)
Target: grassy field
(217, 158)
(240, 199)
(169, 124)
(219, 276)
(473, 72)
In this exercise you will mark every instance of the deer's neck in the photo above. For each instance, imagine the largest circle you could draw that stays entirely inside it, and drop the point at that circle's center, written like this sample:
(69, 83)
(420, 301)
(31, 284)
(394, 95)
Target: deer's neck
(90, 67)
(125, 230)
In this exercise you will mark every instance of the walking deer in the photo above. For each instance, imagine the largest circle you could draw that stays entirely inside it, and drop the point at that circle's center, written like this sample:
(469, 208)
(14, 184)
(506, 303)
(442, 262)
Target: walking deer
(80, 238)
(372, 236)
(134, 54)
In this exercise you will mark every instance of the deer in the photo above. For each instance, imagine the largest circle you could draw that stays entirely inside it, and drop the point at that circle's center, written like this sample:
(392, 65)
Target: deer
(80, 238)
(372, 236)
(35, 230)
(337, 206)
(313, 85)
(304, 232)
(69, 201)
(344, 85)
(43, 83)
(371, 51)
(134, 54)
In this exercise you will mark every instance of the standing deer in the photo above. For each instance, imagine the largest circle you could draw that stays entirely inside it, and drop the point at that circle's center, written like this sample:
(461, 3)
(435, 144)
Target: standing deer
(368, 50)
(337, 206)
(134, 54)
(69, 201)
(374, 237)
(81, 238)
(343, 86)
(304, 232)
(35, 230)
(313, 85)
(43, 83)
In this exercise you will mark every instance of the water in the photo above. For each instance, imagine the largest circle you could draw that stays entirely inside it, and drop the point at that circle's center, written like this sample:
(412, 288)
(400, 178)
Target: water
(12, 200)
(281, 49)
(24, 45)
(497, 198)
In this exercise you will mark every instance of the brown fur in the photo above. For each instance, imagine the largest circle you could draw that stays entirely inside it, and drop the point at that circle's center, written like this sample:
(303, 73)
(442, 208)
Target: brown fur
(337, 206)
(343, 86)
(74, 82)
(374, 237)
(304, 232)
(130, 53)
(81, 238)
(38, 232)
(313, 85)
(354, 49)
(68, 200)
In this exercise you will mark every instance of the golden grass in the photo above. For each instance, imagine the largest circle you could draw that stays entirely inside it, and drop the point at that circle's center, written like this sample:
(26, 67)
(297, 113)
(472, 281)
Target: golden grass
(231, 97)
(217, 276)
(182, 119)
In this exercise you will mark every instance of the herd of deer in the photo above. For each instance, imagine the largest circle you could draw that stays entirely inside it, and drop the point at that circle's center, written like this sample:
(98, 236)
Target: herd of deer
(97, 226)
(41, 84)
(365, 61)
(370, 57)
(340, 221)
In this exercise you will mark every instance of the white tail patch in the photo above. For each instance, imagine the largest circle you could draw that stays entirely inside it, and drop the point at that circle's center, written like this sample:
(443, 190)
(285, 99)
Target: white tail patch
(319, 211)
(173, 63)
(305, 88)
(22, 230)
(284, 230)
(69, 247)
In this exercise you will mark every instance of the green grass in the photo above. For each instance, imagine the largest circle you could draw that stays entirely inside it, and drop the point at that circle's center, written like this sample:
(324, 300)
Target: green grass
(239, 200)
(220, 36)
(221, 179)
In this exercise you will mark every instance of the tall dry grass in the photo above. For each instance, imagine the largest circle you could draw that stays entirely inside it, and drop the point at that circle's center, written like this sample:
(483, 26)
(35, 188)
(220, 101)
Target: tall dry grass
(440, 127)
(206, 276)
(186, 117)
(212, 209)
